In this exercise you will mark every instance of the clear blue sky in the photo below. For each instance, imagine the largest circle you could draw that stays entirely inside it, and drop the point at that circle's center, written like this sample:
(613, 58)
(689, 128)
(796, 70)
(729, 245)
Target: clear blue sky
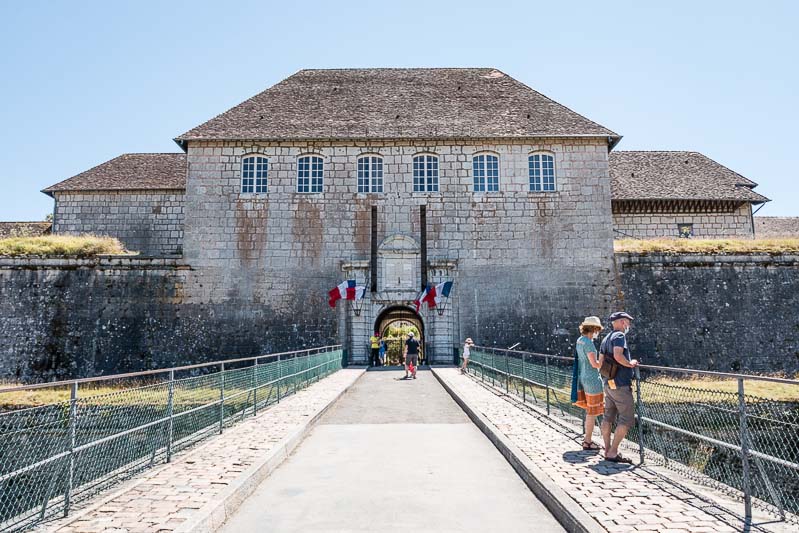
(84, 81)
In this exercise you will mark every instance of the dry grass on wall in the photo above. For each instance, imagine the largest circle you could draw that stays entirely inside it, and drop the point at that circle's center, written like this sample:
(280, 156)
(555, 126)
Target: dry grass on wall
(776, 246)
(61, 245)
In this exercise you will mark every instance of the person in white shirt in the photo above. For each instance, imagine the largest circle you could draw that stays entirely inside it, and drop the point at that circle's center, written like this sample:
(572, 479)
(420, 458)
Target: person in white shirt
(466, 354)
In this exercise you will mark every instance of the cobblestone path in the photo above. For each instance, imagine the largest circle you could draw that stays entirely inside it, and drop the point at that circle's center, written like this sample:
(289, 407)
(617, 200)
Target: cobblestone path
(620, 497)
(162, 499)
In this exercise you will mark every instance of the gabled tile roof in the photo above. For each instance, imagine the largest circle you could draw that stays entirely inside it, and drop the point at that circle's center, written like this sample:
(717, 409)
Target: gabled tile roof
(643, 175)
(24, 229)
(776, 227)
(129, 172)
(396, 103)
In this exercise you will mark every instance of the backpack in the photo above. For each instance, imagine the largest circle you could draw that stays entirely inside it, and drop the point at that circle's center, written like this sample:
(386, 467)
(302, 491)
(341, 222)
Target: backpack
(609, 366)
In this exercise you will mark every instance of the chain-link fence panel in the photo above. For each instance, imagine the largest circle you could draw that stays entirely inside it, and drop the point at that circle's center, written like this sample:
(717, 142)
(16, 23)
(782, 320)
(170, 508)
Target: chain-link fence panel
(56, 455)
(706, 425)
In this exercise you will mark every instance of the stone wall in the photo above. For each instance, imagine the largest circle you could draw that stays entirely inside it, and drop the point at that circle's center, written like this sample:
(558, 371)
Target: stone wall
(149, 222)
(68, 317)
(726, 313)
(64, 318)
(527, 264)
(737, 223)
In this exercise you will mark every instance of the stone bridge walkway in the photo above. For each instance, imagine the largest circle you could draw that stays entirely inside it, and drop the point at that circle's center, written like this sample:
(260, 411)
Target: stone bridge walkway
(620, 498)
(397, 455)
(394, 455)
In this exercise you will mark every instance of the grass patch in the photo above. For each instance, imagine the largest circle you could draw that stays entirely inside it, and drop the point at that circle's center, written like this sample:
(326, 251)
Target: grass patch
(61, 245)
(698, 389)
(708, 246)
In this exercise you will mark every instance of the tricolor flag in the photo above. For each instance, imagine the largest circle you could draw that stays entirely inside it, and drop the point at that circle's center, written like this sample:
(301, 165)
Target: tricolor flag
(427, 295)
(433, 294)
(442, 290)
(345, 291)
(360, 291)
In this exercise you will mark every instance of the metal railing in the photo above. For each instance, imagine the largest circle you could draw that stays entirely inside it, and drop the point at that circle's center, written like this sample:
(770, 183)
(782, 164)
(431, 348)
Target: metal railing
(99, 431)
(734, 432)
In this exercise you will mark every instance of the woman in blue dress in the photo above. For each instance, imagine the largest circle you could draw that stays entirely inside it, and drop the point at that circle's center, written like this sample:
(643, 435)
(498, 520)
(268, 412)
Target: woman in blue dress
(586, 383)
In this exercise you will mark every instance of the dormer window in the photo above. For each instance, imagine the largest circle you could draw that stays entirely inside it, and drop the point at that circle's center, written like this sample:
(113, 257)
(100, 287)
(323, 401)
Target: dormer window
(542, 172)
(370, 174)
(425, 173)
(485, 169)
(310, 174)
(253, 174)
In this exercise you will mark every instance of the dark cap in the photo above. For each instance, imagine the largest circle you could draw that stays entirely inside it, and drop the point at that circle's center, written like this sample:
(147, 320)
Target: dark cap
(619, 315)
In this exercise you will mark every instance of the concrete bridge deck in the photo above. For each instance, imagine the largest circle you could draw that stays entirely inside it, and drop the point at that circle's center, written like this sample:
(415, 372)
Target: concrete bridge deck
(394, 455)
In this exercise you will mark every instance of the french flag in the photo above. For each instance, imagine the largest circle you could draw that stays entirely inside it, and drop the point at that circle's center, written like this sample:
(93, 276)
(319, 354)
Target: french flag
(442, 290)
(345, 290)
(428, 295)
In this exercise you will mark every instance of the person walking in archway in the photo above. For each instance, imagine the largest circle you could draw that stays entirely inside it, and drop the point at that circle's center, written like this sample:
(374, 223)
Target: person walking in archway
(374, 340)
(411, 355)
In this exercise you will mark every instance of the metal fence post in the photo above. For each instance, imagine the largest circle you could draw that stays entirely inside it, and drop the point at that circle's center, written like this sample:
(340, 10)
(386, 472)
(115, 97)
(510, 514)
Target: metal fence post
(255, 387)
(639, 411)
(170, 402)
(507, 372)
(546, 379)
(493, 365)
(222, 398)
(73, 419)
(747, 488)
(524, 379)
(279, 377)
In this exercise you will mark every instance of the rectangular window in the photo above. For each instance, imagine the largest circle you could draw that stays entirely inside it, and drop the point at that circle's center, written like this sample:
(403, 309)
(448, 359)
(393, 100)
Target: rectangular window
(310, 174)
(254, 175)
(425, 173)
(685, 231)
(370, 174)
(542, 172)
(486, 173)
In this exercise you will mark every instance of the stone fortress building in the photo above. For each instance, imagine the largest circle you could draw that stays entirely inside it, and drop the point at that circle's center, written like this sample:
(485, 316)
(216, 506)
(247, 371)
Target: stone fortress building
(398, 178)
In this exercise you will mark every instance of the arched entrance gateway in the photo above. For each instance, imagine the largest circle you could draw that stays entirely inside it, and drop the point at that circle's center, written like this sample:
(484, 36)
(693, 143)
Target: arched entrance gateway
(393, 324)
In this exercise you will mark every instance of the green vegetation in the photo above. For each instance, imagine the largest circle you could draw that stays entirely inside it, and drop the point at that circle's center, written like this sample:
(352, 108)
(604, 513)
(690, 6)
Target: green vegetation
(698, 389)
(61, 245)
(708, 246)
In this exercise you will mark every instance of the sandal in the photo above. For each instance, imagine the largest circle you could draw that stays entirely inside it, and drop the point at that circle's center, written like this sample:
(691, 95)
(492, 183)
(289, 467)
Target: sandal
(591, 446)
(619, 459)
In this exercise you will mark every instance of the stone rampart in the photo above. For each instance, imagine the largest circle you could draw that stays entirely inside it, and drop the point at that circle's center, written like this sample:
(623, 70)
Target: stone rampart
(717, 312)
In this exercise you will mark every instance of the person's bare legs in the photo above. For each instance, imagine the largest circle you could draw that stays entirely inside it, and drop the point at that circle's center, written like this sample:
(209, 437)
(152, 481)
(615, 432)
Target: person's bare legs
(590, 422)
(618, 436)
(464, 365)
(605, 429)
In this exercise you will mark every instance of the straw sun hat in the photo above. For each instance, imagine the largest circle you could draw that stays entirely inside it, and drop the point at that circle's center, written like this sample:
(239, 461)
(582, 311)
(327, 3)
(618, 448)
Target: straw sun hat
(592, 321)
(469, 341)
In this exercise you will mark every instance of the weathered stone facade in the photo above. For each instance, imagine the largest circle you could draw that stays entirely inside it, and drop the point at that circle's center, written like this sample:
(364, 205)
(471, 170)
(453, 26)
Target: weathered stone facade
(522, 262)
(706, 225)
(715, 312)
(149, 222)
(71, 318)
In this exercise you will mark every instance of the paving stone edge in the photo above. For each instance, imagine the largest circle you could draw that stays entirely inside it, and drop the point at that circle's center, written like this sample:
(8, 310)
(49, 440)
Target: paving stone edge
(568, 512)
(211, 517)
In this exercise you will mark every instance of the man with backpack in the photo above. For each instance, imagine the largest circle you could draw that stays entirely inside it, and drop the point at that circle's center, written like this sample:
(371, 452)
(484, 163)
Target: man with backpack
(411, 355)
(617, 375)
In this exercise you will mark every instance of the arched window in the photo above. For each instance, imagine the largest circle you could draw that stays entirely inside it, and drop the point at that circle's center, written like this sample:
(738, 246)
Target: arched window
(542, 172)
(425, 173)
(370, 173)
(310, 173)
(253, 174)
(485, 168)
